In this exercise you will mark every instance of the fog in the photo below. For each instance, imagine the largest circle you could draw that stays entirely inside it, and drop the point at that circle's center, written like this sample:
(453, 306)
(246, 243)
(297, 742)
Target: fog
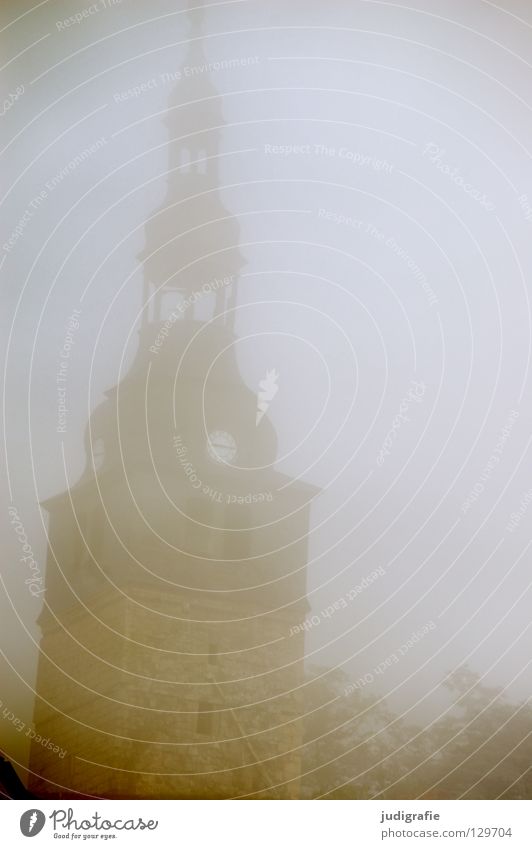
(276, 257)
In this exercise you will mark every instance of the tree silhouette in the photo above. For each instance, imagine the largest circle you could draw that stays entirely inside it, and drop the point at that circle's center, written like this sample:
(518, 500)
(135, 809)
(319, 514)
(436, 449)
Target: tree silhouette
(484, 744)
(355, 748)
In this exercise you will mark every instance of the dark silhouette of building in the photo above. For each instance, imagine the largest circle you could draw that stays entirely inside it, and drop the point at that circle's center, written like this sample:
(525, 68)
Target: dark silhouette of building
(11, 787)
(177, 564)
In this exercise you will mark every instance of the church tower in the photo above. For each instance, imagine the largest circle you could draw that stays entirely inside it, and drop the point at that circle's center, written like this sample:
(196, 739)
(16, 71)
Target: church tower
(177, 564)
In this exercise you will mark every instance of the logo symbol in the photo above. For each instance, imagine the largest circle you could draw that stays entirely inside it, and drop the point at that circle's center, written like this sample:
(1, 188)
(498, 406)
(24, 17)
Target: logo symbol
(32, 822)
(268, 391)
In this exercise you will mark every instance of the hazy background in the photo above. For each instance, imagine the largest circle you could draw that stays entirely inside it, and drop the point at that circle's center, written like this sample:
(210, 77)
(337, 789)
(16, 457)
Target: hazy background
(343, 318)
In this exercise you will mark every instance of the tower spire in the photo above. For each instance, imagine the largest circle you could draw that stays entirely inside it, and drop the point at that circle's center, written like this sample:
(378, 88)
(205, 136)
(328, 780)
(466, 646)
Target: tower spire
(196, 16)
(191, 248)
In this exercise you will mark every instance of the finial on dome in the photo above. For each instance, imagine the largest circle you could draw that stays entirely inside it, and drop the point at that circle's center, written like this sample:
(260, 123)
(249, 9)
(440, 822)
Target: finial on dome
(196, 19)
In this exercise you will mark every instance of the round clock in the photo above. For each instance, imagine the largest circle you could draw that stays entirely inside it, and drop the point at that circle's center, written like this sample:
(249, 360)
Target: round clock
(221, 446)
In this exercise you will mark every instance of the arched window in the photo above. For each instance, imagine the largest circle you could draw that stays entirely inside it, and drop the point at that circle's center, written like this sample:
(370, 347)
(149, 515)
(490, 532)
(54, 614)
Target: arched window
(238, 519)
(98, 453)
(184, 159)
(201, 164)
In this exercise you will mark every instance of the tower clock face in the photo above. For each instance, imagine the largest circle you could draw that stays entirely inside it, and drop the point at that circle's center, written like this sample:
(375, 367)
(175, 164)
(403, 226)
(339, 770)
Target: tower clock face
(221, 446)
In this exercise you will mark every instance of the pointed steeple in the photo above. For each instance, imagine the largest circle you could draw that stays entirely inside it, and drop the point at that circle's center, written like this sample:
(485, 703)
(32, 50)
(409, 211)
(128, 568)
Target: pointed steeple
(192, 241)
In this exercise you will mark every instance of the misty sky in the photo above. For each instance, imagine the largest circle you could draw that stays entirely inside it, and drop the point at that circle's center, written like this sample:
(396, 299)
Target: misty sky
(376, 158)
